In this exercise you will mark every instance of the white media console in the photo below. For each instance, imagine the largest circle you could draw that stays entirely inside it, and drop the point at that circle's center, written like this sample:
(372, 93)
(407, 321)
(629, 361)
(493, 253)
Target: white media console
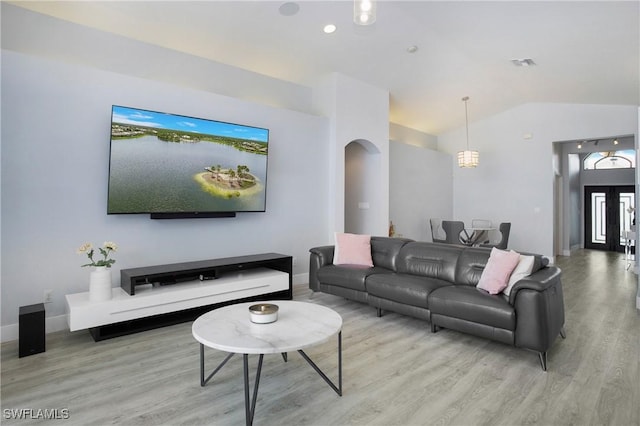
(245, 278)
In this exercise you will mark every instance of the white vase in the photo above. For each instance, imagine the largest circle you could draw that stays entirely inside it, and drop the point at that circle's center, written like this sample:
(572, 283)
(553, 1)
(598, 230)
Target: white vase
(100, 284)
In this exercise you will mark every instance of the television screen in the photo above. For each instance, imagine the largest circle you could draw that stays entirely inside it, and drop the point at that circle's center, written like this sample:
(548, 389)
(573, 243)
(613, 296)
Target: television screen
(168, 164)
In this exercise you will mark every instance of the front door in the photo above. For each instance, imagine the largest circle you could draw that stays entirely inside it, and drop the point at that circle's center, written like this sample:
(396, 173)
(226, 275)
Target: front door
(607, 216)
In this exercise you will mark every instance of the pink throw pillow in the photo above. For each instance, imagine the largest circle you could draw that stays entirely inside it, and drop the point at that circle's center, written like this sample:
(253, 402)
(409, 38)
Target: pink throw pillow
(500, 265)
(352, 249)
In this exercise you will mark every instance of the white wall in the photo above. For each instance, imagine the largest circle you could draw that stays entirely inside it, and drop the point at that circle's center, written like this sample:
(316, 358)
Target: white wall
(44, 36)
(514, 181)
(55, 155)
(420, 188)
(573, 203)
(357, 111)
(409, 136)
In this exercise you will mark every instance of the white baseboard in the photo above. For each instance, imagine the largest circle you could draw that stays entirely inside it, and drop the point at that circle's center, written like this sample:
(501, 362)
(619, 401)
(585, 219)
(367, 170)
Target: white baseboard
(60, 322)
(9, 332)
(51, 325)
(573, 248)
(301, 278)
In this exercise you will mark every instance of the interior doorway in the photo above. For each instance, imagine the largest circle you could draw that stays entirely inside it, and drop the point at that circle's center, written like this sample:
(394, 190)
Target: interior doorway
(362, 195)
(573, 226)
(607, 216)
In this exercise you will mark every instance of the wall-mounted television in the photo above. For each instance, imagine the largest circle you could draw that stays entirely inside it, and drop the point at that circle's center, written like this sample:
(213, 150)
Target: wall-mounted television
(174, 166)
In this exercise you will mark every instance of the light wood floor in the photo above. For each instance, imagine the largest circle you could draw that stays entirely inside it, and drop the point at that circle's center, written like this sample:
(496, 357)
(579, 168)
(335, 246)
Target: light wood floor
(396, 372)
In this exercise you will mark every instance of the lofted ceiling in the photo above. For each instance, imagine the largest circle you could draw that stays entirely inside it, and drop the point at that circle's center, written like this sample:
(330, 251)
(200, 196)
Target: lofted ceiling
(585, 52)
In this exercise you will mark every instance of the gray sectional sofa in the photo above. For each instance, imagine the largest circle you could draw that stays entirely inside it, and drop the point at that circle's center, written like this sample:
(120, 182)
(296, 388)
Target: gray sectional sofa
(437, 282)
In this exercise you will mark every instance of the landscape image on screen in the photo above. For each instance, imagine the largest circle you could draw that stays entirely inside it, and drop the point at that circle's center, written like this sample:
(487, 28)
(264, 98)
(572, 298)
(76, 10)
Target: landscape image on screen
(167, 163)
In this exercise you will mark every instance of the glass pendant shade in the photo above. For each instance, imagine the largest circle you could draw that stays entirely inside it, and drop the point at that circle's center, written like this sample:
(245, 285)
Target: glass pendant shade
(468, 158)
(364, 12)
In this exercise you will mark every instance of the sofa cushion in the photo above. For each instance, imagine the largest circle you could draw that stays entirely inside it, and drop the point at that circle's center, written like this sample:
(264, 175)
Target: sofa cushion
(403, 288)
(429, 260)
(472, 304)
(471, 264)
(348, 276)
(384, 251)
(352, 249)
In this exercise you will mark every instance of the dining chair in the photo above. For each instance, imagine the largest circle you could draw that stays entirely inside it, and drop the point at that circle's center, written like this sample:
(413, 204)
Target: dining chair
(504, 229)
(453, 229)
(436, 234)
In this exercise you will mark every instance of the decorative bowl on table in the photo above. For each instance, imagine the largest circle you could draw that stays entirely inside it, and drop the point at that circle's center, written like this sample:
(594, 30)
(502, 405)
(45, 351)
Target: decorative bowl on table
(263, 313)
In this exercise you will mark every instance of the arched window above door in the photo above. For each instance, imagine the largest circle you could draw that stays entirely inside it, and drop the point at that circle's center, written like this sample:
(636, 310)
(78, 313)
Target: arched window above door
(623, 159)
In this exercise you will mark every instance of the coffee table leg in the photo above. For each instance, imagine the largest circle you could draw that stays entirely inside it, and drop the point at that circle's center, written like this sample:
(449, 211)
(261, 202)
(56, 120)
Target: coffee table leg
(340, 362)
(249, 405)
(337, 389)
(204, 381)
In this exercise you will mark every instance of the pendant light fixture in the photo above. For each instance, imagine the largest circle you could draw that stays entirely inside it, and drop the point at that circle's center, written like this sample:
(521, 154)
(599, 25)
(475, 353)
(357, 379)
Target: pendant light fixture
(364, 12)
(467, 158)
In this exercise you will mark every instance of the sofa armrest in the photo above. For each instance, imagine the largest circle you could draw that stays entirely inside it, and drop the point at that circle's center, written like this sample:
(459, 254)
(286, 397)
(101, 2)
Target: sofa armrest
(319, 257)
(539, 304)
(538, 281)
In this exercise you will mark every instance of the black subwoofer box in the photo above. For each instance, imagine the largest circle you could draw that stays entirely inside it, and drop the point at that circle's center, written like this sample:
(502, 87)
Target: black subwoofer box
(31, 330)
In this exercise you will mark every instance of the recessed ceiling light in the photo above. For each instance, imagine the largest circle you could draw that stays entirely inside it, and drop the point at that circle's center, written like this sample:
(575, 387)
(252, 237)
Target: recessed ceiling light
(412, 49)
(289, 8)
(329, 28)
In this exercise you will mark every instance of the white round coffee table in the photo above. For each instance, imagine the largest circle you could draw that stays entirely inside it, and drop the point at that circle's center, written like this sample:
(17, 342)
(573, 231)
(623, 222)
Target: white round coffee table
(299, 326)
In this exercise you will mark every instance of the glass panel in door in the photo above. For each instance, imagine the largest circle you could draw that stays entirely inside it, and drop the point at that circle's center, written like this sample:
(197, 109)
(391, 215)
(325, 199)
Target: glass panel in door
(607, 216)
(627, 217)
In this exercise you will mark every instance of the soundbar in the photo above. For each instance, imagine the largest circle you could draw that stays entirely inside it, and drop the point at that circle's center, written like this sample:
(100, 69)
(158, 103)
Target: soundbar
(192, 215)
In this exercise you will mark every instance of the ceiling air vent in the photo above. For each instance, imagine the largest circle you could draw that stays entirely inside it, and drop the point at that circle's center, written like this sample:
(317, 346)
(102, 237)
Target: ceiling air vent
(527, 62)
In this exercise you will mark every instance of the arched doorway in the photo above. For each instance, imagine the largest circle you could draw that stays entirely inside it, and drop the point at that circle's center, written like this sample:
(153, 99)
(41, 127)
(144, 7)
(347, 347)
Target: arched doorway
(362, 187)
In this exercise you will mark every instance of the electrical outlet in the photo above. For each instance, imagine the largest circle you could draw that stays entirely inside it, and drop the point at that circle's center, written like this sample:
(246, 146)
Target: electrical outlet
(295, 261)
(48, 296)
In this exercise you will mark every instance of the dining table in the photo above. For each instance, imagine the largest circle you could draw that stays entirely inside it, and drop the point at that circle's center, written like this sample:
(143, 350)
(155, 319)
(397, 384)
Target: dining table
(475, 235)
